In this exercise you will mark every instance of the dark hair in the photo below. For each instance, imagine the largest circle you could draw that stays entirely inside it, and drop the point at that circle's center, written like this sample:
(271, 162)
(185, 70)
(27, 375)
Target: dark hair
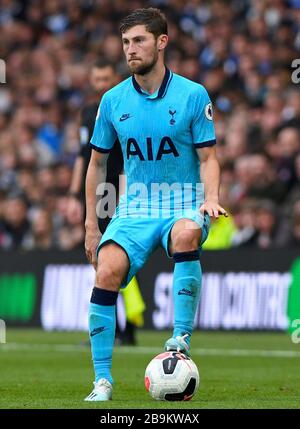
(102, 63)
(153, 19)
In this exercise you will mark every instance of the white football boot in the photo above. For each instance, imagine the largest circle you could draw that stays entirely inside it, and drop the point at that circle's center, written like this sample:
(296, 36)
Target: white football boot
(102, 391)
(178, 344)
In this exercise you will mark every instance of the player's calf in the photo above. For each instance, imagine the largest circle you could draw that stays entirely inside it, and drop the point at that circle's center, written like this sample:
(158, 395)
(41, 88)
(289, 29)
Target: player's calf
(186, 283)
(112, 267)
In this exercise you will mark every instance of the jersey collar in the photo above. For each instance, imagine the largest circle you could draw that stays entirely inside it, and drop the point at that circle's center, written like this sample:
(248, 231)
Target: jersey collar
(161, 92)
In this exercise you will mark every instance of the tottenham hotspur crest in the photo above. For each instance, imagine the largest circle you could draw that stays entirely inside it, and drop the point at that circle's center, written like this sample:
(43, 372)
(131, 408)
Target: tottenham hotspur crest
(172, 120)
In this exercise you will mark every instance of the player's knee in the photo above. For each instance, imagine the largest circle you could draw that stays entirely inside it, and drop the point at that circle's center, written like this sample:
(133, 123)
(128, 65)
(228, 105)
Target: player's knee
(186, 240)
(107, 278)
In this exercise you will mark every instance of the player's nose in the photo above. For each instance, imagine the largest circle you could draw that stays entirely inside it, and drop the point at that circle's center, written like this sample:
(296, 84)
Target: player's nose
(131, 49)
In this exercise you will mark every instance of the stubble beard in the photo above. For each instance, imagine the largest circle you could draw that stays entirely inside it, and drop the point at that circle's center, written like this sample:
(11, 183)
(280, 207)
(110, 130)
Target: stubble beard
(145, 68)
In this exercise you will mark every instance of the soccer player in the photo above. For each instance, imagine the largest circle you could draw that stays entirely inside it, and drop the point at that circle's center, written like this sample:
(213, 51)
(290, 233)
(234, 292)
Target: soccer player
(164, 124)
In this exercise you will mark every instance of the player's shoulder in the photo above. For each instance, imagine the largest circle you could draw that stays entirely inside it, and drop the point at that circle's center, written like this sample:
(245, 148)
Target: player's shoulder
(118, 89)
(189, 86)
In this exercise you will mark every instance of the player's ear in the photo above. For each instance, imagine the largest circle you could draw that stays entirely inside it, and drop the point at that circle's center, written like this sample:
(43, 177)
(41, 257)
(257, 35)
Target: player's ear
(162, 41)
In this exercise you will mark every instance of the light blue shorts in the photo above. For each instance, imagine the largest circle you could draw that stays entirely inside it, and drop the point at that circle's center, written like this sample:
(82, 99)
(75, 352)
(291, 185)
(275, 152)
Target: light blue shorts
(139, 237)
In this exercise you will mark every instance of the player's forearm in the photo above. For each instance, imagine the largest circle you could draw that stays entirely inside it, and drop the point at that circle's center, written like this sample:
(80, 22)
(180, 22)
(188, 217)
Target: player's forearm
(210, 175)
(77, 176)
(96, 174)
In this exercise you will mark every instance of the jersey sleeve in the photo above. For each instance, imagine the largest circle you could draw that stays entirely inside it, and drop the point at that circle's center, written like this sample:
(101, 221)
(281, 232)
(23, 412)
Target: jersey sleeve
(203, 130)
(104, 134)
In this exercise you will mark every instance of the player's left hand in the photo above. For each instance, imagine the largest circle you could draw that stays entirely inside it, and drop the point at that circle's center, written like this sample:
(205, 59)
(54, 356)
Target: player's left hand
(213, 209)
(92, 239)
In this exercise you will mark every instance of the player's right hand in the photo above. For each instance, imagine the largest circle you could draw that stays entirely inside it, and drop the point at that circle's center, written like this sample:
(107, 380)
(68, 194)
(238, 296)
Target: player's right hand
(92, 239)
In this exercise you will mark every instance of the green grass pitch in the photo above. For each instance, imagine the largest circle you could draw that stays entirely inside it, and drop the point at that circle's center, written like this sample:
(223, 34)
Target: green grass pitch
(237, 370)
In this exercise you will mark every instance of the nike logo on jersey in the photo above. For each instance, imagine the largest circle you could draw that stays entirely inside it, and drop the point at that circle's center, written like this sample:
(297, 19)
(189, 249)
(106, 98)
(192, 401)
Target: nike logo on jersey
(125, 116)
(97, 330)
(185, 292)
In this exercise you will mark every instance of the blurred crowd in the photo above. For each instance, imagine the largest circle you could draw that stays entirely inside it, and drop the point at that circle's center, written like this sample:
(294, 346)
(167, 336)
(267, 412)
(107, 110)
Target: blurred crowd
(240, 50)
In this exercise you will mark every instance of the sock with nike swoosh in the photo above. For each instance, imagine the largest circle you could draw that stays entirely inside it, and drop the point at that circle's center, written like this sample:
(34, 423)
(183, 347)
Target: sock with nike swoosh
(102, 326)
(186, 292)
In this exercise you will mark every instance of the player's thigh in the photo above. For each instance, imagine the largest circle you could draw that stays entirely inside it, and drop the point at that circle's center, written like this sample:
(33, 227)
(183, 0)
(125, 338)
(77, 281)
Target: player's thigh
(137, 236)
(113, 263)
(184, 236)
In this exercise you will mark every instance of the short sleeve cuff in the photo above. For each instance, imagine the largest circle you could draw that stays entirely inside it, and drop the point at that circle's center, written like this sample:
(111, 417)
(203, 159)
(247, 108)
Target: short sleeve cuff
(99, 149)
(205, 144)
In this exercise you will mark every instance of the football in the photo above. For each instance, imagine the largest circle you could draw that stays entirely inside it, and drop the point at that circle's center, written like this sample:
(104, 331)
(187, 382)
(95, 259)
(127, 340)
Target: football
(172, 376)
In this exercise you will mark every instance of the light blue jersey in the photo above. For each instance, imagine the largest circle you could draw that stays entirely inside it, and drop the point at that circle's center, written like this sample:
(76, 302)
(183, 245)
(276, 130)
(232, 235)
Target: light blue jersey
(158, 133)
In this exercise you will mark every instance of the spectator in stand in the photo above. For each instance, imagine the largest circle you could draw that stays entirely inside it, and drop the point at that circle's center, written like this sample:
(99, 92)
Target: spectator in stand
(288, 142)
(244, 218)
(264, 183)
(41, 236)
(15, 224)
(295, 236)
(266, 222)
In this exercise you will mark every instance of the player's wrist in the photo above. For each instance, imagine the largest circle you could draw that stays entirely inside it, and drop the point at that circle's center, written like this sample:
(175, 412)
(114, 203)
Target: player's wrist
(91, 226)
(212, 199)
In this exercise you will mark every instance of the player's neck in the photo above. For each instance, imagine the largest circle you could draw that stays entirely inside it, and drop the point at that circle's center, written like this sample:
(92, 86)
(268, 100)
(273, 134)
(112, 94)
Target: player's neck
(151, 81)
